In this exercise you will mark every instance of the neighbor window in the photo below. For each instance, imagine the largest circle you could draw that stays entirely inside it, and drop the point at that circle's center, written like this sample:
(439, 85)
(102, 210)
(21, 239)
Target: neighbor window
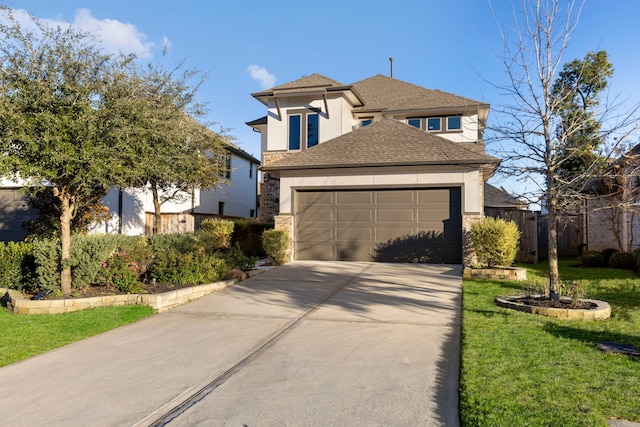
(433, 123)
(415, 122)
(454, 123)
(365, 122)
(220, 208)
(307, 137)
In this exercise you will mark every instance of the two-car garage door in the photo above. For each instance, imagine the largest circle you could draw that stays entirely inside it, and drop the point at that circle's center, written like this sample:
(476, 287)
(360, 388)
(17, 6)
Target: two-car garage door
(393, 225)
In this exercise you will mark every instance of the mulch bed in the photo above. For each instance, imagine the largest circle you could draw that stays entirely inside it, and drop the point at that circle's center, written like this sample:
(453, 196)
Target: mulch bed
(549, 303)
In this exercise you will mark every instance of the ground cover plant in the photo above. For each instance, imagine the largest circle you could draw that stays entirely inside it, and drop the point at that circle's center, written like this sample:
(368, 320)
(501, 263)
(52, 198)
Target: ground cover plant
(528, 370)
(24, 336)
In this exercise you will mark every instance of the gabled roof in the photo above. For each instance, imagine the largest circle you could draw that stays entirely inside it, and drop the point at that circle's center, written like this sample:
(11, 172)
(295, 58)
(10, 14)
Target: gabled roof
(498, 198)
(382, 93)
(315, 83)
(386, 142)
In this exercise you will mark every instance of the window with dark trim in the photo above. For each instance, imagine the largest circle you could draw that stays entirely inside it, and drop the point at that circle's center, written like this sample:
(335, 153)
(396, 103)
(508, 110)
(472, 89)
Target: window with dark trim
(304, 130)
(415, 122)
(220, 208)
(454, 123)
(434, 124)
(365, 122)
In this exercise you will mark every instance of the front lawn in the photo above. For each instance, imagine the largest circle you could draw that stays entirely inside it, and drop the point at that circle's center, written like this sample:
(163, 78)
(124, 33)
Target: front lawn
(520, 369)
(24, 336)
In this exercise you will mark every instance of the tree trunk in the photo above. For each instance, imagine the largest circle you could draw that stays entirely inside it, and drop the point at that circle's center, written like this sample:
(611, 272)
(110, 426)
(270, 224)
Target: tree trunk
(157, 215)
(66, 215)
(554, 276)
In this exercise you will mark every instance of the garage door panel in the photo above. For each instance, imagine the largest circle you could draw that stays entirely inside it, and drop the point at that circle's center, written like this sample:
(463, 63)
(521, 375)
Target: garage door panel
(399, 215)
(14, 211)
(398, 225)
(354, 234)
(352, 216)
(354, 197)
(396, 197)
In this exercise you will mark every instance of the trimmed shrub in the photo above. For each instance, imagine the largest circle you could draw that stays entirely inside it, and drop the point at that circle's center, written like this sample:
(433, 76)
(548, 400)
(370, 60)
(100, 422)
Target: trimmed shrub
(623, 260)
(592, 259)
(495, 241)
(47, 258)
(275, 244)
(220, 229)
(606, 255)
(17, 267)
(247, 233)
(188, 269)
(182, 243)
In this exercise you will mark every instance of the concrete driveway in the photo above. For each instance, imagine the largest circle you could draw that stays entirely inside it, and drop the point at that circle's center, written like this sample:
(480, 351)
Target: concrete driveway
(304, 344)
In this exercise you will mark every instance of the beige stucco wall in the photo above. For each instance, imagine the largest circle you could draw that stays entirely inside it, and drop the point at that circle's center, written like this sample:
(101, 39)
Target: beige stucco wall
(469, 179)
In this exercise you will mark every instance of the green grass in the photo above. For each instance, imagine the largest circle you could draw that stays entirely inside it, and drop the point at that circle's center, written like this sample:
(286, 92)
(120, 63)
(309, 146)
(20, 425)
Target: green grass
(24, 336)
(520, 369)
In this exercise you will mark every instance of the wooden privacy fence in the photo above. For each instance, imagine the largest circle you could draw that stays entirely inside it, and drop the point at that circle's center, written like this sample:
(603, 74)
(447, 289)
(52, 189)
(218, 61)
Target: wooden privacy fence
(177, 223)
(534, 227)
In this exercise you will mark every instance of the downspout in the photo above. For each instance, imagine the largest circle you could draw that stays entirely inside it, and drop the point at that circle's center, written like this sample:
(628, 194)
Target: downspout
(119, 210)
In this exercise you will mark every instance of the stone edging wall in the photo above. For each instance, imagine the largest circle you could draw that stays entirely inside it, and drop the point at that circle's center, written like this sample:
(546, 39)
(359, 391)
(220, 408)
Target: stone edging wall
(160, 302)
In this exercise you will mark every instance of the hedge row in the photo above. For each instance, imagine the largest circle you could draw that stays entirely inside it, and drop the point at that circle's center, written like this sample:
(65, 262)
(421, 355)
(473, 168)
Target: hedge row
(612, 258)
(126, 262)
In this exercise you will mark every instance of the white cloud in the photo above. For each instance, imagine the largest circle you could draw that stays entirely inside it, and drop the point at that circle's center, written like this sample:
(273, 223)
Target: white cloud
(115, 36)
(262, 76)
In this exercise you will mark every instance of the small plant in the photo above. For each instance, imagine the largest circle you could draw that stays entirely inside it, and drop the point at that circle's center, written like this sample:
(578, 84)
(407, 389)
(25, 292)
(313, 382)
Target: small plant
(623, 260)
(123, 273)
(235, 258)
(276, 243)
(572, 290)
(495, 241)
(592, 259)
(606, 255)
(220, 229)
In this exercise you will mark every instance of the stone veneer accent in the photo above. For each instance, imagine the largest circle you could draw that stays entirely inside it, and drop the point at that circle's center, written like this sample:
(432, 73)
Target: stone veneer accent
(285, 222)
(270, 187)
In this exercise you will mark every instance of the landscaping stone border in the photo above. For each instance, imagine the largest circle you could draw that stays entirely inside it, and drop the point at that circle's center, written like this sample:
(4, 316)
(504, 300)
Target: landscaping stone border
(16, 302)
(502, 273)
(600, 312)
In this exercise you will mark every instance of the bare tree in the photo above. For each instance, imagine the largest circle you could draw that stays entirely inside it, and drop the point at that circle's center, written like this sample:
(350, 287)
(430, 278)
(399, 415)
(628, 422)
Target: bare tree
(530, 132)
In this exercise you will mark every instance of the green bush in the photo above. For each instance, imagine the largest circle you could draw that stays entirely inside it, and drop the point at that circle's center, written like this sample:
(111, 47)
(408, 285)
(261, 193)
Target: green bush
(495, 241)
(129, 265)
(46, 254)
(88, 253)
(275, 244)
(247, 233)
(17, 267)
(220, 229)
(606, 255)
(182, 269)
(623, 260)
(592, 259)
(235, 258)
(182, 243)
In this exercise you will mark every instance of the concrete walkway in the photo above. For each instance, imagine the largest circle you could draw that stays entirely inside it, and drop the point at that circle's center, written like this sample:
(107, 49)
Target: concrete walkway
(304, 344)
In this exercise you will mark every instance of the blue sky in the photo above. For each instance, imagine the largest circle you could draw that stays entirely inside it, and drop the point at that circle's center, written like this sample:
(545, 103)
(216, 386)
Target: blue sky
(248, 45)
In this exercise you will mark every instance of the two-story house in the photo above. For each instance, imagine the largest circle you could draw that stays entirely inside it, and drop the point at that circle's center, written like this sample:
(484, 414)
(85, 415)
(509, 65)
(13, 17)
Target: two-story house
(377, 170)
(131, 209)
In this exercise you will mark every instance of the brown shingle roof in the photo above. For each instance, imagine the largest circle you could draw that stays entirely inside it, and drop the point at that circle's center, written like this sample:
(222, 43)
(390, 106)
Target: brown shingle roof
(386, 93)
(384, 143)
(312, 81)
(498, 198)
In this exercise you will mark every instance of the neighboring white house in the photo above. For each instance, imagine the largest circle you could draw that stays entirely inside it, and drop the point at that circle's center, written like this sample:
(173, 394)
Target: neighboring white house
(129, 207)
(377, 170)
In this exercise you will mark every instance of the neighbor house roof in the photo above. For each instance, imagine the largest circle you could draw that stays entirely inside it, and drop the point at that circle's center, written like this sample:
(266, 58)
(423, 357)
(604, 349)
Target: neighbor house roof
(498, 198)
(387, 142)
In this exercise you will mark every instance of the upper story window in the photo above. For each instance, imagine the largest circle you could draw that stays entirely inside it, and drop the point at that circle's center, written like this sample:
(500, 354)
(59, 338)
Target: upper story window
(304, 130)
(454, 123)
(434, 124)
(365, 122)
(415, 122)
(224, 164)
